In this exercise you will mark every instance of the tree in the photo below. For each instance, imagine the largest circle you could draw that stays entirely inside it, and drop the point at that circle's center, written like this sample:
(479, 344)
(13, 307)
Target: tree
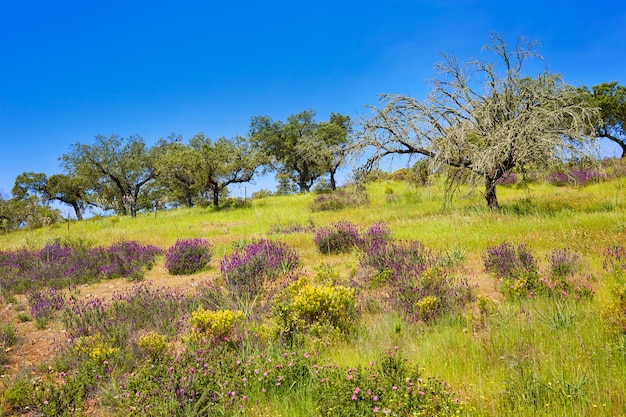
(294, 149)
(223, 162)
(70, 190)
(611, 99)
(120, 167)
(336, 136)
(302, 150)
(484, 121)
(177, 169)
(27, 212)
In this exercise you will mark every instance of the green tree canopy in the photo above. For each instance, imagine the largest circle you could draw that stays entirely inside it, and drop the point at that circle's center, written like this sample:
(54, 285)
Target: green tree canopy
(70, 190)
(611, 99)
(117, 167)
(301, 150)
(223, 162)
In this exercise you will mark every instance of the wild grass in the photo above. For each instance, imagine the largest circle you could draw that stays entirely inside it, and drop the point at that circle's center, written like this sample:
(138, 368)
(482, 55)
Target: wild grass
(532, 356)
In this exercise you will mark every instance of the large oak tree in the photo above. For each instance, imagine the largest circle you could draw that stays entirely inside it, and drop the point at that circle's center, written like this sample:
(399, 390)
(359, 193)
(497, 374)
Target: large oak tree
(119, 166)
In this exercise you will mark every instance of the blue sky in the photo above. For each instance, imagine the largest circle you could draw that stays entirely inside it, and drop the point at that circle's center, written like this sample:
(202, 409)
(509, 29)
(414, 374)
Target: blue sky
(70, 70)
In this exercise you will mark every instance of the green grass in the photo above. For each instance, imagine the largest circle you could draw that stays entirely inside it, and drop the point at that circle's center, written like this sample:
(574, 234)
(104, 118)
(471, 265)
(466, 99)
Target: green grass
(534, 357)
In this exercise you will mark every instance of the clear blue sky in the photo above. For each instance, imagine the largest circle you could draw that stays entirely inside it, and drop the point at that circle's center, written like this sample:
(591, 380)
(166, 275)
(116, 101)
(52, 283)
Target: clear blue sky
(70, 70)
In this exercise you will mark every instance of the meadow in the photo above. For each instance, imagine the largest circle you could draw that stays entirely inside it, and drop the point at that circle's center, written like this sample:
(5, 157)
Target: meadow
(395, 306)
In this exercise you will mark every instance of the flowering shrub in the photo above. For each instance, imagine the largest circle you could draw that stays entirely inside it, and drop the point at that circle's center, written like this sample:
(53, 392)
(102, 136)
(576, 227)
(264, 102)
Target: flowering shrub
(509, 178)
(419, 287)
(397, 259)
(575, 176)
(246, 269)
(340, 237)
(305, 305)
(181, 386)
(188, 256)
(388, 386)
(44, 304)
(507, 261)
(60, 266)
(127, 259)
(95, 347)
(615, 260)
(377, 235)
(515, 267)
(519, 274)
(214, 324)
(153, 344)
(564, 279)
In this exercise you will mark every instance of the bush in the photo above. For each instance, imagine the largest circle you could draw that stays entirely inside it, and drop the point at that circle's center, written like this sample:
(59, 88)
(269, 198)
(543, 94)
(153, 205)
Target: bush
(390, 385)
(213, 325)
(340, 237)
(305, 306)
(419, 287)
(515, 267)
(153, 344)
(59, 266)
(508, 261)
(340, 199)
(188, 256)
(575, 176)
(44, 304)
(246, 269)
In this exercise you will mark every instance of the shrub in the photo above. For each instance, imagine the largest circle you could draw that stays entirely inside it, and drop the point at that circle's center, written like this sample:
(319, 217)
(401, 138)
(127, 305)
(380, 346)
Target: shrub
(419, 287)
(312, 304)
(188, 256)
(96, 348)
(389, 386)
(214, 324)
(340, 237)
(59, 266)
(340, 199)
(575, 176)
(564, 279)
(615, 260)
(246, 269)
(44, 304)
(153, 344)
(127, 259)
(515, 267)
(399, 258)
(507, 261)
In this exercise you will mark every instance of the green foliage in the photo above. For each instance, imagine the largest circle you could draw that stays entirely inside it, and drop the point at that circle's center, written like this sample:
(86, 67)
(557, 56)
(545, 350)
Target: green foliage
(301, 150)
(389, 385)
(114, 169)
(610, 97)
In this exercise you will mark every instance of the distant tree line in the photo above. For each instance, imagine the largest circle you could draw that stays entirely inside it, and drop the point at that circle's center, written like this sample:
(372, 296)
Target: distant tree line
(125, 176)
(484, 117)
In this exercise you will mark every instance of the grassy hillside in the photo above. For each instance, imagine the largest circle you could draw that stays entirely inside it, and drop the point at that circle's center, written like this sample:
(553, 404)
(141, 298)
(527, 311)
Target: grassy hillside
(540, 355)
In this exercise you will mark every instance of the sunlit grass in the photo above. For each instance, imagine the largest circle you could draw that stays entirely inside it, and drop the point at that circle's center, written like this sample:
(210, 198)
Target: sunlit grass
(530, 358)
